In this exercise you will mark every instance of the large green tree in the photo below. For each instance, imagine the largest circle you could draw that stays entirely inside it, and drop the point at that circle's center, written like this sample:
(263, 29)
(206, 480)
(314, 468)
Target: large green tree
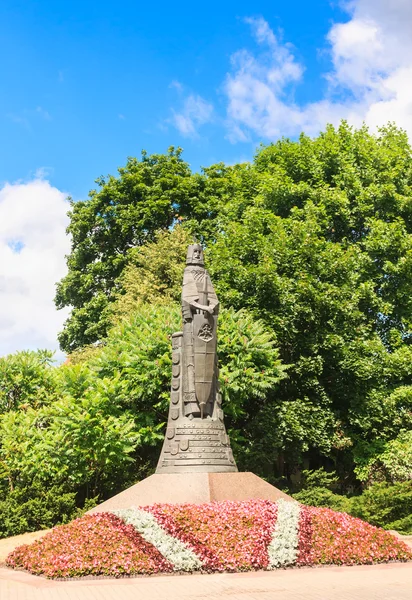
(314, 237)
(323, 252)
(122, 214)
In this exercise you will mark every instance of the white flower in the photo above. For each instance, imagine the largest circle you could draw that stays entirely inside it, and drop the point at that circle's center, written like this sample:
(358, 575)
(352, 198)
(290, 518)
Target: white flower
(283, 549)
(175, 551)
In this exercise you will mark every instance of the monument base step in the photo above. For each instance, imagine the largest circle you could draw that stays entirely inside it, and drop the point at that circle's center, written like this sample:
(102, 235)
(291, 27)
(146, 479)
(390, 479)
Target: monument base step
(196, 488)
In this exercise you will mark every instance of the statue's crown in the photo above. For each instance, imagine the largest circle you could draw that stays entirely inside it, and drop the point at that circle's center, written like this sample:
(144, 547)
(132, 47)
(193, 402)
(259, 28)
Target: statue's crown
(195, 255)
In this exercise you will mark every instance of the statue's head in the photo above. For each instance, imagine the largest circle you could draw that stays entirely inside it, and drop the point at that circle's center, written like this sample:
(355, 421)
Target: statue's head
(195, 255)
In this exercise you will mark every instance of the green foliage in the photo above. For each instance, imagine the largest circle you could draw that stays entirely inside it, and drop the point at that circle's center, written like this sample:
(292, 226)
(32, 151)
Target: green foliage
(36, 508)
(316, 490)
(124, 213)
(26, 379)
(385, 505)
(319, 496)
(136, 358)
(105, 429)
(382, 504)
(72, 441)
(318, 478)
(388, 461)
(249, 361)
(403, 526)
(154, 272)
(314, 238)
(322, 250)
(310, 251)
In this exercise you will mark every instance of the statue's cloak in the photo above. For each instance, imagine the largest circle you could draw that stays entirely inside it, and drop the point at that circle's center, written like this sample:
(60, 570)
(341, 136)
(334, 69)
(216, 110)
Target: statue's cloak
(198, 287)
(193, 283)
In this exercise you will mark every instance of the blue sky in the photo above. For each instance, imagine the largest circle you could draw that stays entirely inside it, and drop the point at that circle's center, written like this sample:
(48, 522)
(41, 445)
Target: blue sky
(86, 84)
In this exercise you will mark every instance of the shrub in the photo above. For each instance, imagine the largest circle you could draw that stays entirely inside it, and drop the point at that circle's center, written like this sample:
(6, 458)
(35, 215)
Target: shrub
(385, 505)
(403, 526)
(382, 504)
(34, 508)
(317, 492)
(27, 379)
(319, 496)
(392, 463)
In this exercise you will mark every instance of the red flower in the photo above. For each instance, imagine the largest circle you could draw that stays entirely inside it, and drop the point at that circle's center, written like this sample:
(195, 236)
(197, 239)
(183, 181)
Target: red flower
(227, 536)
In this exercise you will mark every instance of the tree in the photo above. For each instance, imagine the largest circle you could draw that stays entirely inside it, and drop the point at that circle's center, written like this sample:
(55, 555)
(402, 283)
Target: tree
(313, 238)
(389, 461)
(79, 445)
(323, 254)
(154, 273)
(124, 213)
(105, 427)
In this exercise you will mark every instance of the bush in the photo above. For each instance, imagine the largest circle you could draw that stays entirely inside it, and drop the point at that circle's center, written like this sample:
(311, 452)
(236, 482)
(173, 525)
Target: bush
(403, 526)
(27, 379)
(316, 490)
(385, 505)
(391, 461)
(319, 496)
(34, 508)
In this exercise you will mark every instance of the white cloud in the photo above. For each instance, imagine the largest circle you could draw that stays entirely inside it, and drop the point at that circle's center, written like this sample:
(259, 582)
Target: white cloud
(175, 84)
(370, 78)
(195, 112)
(43, 113)
(26, 116)
(33, 244)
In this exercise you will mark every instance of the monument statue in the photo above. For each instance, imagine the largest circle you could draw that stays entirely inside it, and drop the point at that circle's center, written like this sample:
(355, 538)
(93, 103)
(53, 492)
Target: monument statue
(196, 438)
(196, 463)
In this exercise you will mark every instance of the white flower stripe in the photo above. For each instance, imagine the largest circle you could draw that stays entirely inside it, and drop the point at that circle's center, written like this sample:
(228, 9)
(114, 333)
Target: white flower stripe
(283, 549)
(175, 551)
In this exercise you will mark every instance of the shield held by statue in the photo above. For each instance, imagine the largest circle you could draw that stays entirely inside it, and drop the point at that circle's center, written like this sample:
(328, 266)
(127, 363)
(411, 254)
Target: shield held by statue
(204, 346)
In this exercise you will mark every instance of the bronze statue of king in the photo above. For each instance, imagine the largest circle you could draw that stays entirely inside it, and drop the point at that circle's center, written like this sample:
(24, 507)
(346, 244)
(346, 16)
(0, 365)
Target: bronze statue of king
(196, 438)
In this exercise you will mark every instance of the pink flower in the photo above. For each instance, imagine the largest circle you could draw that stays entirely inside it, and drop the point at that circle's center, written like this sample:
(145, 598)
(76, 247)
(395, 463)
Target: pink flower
(100, 544)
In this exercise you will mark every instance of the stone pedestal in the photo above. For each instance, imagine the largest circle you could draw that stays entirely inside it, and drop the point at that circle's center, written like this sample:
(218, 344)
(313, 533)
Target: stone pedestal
(196, 488)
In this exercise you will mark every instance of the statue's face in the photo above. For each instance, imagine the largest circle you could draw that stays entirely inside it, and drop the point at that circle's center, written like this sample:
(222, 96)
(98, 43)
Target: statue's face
(195, 255)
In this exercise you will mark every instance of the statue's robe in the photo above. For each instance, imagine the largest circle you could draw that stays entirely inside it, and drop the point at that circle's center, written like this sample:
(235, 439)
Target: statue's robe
(199, 342)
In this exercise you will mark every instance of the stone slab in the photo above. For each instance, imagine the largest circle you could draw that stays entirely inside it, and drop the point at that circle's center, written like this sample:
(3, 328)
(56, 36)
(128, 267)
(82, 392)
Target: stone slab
(196, 488)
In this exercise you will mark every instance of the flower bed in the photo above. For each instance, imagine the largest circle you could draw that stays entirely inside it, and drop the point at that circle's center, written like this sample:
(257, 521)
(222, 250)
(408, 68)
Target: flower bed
(339, 539)
(218, 536)
(100, 544)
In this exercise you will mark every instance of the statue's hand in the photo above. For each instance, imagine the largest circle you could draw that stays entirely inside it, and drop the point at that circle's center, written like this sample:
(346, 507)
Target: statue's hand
(203, 307)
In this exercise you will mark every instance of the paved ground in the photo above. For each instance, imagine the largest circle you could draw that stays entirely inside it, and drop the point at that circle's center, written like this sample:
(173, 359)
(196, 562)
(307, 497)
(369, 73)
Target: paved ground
(378, 582)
